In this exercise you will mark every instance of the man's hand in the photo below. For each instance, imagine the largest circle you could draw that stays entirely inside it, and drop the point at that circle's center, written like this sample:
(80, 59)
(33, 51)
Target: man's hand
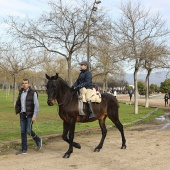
(33, 119)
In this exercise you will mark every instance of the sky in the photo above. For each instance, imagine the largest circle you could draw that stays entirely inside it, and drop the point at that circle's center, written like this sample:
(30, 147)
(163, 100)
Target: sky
(33, 8)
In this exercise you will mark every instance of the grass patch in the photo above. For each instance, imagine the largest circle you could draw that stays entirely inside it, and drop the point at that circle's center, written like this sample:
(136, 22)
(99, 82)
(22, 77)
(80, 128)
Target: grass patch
(48, 121)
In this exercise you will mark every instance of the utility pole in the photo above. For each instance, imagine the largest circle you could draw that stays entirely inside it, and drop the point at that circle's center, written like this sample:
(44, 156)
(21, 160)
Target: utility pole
(94, 8)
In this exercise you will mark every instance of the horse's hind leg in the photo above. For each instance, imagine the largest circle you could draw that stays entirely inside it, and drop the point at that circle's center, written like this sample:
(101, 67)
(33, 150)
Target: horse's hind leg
(104, 132)
(120, 128)
(64, 135)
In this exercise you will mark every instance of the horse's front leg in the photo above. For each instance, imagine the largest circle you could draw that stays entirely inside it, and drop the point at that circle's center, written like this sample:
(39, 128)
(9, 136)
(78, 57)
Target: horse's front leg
(104, 133)
(71, 138)
(64, 135)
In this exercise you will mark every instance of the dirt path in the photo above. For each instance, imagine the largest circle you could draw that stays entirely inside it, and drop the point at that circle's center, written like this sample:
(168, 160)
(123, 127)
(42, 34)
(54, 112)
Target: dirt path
(148, 147)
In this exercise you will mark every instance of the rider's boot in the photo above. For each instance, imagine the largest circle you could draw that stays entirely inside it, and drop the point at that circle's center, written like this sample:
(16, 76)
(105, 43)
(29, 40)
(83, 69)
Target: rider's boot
(90, 110)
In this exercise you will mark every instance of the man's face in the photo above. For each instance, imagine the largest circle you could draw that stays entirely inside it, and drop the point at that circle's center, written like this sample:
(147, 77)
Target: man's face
(83, 67)
(25, 85)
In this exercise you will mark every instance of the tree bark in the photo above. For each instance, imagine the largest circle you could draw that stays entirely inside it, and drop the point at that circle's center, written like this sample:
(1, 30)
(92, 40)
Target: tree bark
(15, 90)
(136, 92)
(147, 89)
(69, 71)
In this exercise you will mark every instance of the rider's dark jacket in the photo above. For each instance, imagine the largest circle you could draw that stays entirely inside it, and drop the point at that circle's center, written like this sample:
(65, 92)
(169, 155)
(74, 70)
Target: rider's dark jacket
(84, 80)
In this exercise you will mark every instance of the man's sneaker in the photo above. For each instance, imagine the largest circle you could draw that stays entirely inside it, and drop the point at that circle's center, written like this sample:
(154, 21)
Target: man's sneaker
(39, 144)
(21, 152)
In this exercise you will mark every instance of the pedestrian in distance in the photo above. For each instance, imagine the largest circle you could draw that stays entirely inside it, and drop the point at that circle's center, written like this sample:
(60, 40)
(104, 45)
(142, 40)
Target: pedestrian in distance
(27, 106)
(130, 94)
(115, 93)
(166, 97)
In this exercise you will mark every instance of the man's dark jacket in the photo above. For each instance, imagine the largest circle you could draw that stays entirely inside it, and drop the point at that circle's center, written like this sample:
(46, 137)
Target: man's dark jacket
(84, 80)
(29, 102)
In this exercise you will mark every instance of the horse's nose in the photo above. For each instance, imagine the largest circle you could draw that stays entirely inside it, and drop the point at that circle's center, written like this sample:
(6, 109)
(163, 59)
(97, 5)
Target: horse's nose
(49, 103)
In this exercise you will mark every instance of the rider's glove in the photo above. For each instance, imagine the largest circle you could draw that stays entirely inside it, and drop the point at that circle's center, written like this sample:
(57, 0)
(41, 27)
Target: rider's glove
(76, 88)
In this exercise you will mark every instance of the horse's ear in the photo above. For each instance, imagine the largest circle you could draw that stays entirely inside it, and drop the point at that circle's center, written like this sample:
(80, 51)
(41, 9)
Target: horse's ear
(48, 77)
(56, 76)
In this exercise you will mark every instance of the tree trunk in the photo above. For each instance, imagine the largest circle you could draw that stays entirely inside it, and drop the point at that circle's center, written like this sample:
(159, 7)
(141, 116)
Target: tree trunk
(147, 89)
(136, 92)
(69, 70)
(106, 82)
(104, 87)
(7, 91)
(14, 91)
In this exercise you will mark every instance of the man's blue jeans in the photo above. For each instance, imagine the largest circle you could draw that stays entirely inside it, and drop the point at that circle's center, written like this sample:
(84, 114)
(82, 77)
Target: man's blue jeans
(26, 128)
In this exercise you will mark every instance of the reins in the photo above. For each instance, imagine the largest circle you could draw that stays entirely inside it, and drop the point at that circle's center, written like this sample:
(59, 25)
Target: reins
(59, 103)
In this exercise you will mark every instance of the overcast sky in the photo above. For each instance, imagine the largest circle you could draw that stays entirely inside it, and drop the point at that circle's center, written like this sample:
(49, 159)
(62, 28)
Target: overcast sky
(35, 7)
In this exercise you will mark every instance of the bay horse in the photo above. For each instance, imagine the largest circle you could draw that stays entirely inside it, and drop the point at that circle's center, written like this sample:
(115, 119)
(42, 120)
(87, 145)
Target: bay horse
(67, 99)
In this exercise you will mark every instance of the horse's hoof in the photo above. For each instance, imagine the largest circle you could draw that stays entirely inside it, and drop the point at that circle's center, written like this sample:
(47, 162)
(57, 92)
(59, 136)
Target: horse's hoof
(66, 155)
(97, 150)
(78, 146)
(123, 147)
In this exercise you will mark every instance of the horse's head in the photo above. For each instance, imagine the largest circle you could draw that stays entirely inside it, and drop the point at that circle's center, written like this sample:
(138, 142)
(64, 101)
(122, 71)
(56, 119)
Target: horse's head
(51, 89)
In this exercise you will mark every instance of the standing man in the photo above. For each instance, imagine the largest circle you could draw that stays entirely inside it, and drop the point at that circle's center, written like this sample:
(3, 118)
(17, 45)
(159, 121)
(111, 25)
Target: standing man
(27, 106)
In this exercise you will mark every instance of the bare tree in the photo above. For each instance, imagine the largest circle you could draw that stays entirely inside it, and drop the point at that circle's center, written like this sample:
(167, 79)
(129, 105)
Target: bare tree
(133, 28)
(13, 61)
(55, 65)
(106, 61)
(156, 57)
(62, 30)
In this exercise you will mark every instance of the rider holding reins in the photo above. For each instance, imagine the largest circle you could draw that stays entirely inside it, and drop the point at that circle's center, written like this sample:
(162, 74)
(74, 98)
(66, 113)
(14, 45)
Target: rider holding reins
(85, 80)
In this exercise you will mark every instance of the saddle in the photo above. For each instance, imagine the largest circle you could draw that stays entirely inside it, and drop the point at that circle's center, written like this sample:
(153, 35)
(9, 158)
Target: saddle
(93, 95)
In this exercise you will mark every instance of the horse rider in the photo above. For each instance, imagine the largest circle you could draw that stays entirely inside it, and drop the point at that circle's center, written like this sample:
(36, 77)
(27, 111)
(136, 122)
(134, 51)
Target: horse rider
(85, 80)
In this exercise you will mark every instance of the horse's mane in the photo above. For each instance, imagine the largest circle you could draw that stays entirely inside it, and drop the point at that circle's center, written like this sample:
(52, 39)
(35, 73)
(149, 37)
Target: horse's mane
(60, 79)
(73, 94)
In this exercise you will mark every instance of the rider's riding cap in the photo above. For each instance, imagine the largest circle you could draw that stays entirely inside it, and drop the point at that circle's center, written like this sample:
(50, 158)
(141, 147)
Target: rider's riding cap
(86, 63)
